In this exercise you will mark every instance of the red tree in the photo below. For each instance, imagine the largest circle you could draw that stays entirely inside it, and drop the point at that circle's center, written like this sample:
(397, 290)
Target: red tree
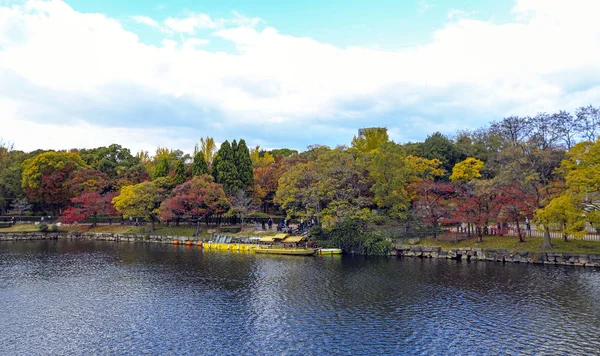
(517, 204)
(476, 204)
(87, 180)
(433, 202)
(89, 205)
(196, 199)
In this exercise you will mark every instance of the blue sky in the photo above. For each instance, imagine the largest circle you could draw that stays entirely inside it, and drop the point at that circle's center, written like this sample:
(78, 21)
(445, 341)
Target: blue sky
(82, 73)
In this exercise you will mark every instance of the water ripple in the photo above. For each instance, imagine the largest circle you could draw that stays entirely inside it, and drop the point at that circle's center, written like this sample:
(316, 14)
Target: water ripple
(106, 298)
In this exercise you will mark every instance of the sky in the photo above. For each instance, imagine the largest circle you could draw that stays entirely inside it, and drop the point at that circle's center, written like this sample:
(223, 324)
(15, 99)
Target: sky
(145, 73)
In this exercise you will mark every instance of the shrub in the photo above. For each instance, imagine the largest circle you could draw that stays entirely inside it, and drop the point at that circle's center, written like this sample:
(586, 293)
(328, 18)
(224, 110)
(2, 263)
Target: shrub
(230, 229)
(43, 227)
(53, 227)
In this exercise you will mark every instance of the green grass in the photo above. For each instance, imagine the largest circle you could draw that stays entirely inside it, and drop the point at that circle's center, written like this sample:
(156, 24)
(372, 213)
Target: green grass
(21, 228)
(512, 244)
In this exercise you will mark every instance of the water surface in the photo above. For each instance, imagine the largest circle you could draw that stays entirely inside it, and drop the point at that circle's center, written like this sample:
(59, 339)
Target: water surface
(67, 297)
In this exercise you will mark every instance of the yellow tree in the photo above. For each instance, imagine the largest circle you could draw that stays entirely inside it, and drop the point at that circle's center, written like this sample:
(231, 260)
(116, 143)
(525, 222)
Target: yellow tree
(467, 170)
(370, 139)
(208, 149)
(140, 200)
(565, 214)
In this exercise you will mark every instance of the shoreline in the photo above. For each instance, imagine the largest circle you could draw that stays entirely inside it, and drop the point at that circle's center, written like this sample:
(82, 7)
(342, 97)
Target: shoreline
(499, 255)
(400, 251)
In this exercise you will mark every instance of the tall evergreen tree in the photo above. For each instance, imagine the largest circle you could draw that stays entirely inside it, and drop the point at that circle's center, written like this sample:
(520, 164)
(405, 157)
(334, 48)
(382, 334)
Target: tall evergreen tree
(199, 166)
(179, 172)
(224, 168)
(243, 162)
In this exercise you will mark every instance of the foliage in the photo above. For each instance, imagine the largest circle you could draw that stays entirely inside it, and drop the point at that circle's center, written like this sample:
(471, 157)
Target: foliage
(260, 158)
(370, 140)
(179, 177)
(434, 202)
(467, 170)
(44, 177)
(438, 146)
(89, 205)
(162, 168)
(140, 200)
(195, 199)
(283, 152)
(243, 163)
(199, 166)
(207, 149)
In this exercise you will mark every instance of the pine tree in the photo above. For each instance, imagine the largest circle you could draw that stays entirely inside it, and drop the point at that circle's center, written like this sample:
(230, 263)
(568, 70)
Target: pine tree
(179, 172)
(199, 166)
(243, 162)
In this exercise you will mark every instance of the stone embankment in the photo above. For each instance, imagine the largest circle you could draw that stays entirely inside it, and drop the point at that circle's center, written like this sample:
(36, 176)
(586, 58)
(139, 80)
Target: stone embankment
(25, 236)
(498, 255)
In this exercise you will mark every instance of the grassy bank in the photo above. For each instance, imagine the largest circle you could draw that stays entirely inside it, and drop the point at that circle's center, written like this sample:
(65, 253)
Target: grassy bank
(512, 244)
(160, 229)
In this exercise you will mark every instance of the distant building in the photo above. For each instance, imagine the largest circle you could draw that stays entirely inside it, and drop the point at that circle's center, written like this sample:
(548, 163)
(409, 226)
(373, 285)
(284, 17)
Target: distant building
(362, 132)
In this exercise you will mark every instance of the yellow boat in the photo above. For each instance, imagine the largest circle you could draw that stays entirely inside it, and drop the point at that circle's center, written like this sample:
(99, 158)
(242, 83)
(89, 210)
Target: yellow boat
(329, 251)
(286, 251)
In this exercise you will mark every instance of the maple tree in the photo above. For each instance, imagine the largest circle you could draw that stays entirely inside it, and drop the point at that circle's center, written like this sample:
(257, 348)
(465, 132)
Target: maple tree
(433, 204)
(89, 205)
(196, 199)
(44, 177)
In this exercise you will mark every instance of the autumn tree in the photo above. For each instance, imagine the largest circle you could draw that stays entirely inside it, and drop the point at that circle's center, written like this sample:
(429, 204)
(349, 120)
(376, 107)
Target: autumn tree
(207, 148)
(44, 177)
(89, 205)
(242, 205)
(467, 170)
(260, 158)
(196, 199)
(140, 200)
(391, 173)
(433, 203)
(370, 139)
(87, 180)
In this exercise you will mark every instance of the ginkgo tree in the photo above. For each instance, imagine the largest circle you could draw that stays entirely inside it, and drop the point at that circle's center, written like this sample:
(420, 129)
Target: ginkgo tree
(140, 200)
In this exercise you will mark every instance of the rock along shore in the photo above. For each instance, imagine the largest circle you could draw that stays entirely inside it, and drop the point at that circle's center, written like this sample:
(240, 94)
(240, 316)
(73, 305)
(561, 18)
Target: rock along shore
(498, 255)
(30, 236)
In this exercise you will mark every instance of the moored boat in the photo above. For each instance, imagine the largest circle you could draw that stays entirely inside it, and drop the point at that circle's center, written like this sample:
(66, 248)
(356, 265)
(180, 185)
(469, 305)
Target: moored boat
(329, 251)
(286, 251)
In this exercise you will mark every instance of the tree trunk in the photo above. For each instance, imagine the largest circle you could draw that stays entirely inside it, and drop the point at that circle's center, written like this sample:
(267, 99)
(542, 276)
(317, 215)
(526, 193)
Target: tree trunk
(151, 224)
(565, 236)
(94, 221)
(435, 231)
(519, 232)
(479, 234)
(197, 228)
(547, 242)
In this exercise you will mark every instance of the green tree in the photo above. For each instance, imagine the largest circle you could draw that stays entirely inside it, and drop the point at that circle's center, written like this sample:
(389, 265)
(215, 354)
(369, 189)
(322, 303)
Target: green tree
(179, 172)
(10, 177)
(243, 163)
(391, 175)
(224, 169)
(199, 166)
(438, 146)
(162, 168)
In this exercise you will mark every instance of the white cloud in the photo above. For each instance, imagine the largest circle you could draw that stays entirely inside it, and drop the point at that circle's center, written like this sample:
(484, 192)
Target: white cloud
(145, 20)
(74, 65)
(457, 13)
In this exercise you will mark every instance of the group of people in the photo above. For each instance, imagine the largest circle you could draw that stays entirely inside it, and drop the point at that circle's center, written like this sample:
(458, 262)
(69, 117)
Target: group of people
(284, 225)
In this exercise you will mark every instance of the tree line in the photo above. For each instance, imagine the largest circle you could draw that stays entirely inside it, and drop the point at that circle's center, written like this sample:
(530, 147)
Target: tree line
(540, 168)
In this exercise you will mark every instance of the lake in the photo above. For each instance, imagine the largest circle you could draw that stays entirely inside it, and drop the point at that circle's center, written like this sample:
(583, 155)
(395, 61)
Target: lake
(83, 297)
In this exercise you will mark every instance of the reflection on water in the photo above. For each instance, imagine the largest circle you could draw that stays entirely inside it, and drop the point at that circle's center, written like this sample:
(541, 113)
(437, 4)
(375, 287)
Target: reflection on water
(62, 297)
